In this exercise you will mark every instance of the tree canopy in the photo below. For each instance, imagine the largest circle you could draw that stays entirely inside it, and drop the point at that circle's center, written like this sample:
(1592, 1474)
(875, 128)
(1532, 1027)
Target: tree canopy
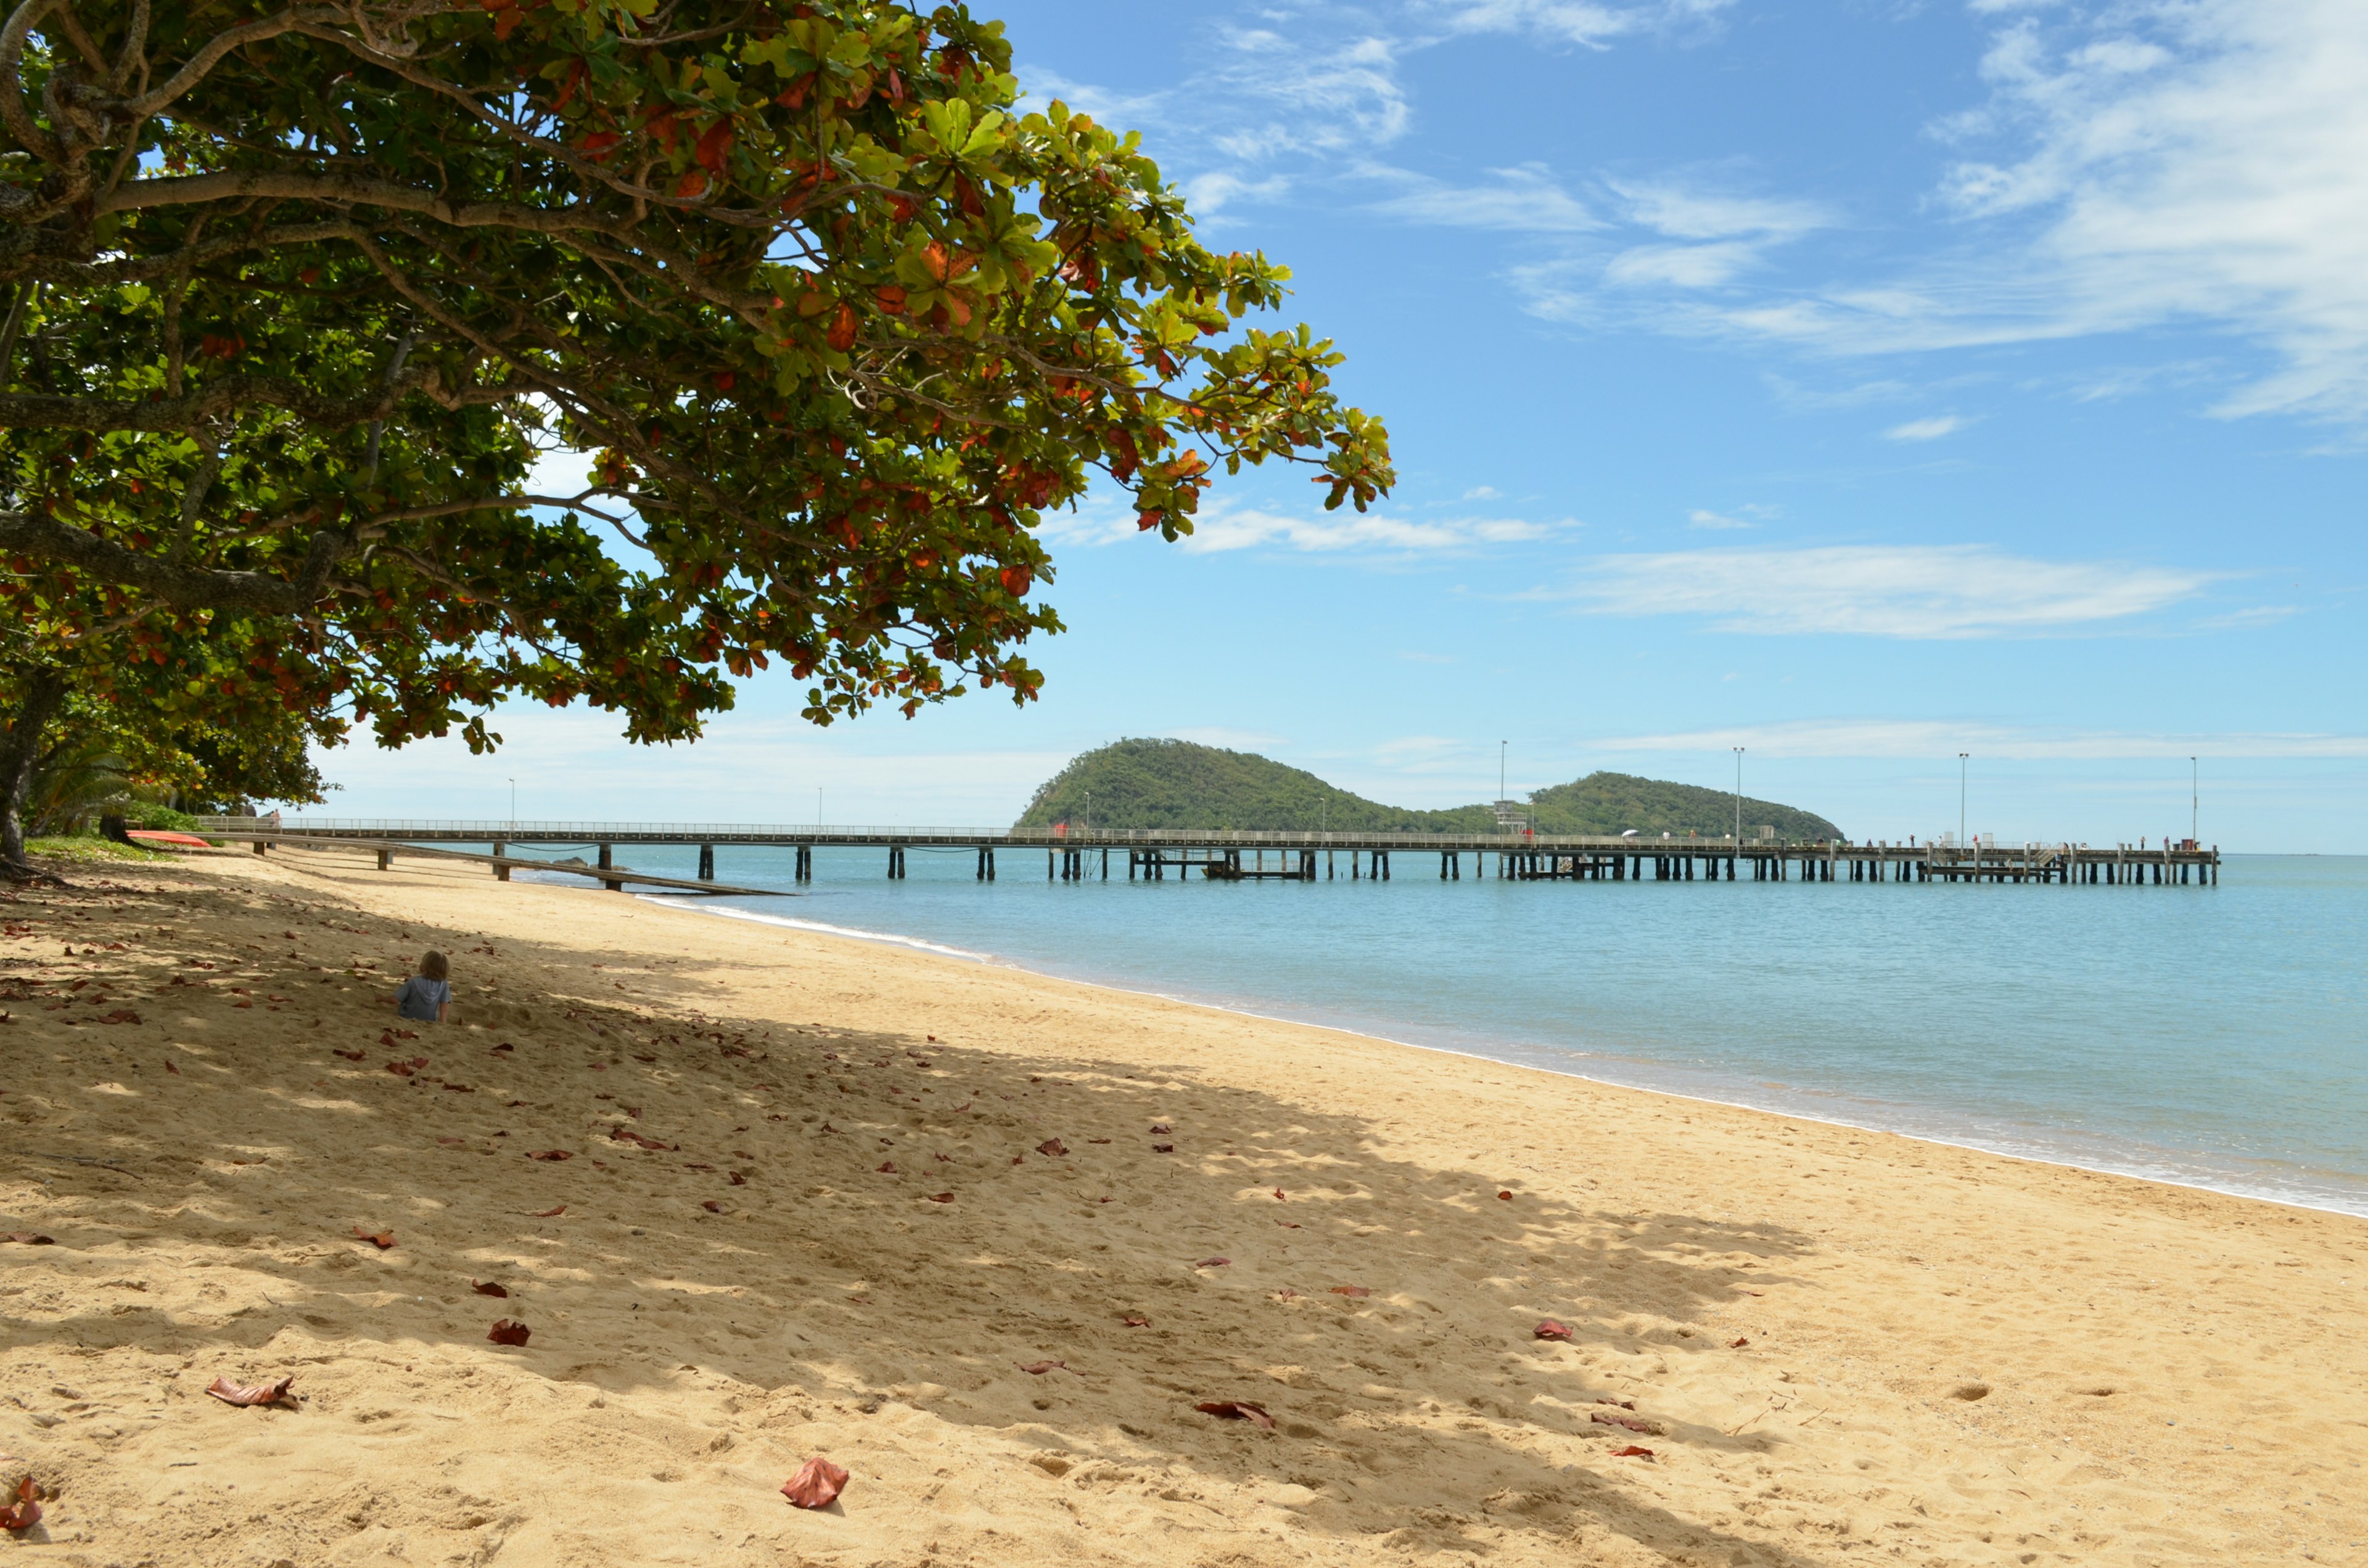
(298, 294)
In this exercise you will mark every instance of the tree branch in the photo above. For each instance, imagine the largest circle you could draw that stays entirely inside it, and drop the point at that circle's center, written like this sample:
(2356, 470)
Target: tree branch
(183, 587)
(202, 408)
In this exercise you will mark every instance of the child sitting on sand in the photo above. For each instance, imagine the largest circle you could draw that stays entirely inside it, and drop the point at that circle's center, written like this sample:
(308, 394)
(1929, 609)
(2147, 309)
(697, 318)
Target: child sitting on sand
(428, 995)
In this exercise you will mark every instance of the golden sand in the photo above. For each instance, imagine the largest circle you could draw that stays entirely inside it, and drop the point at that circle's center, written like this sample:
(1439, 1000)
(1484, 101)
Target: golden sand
(1838, 1347)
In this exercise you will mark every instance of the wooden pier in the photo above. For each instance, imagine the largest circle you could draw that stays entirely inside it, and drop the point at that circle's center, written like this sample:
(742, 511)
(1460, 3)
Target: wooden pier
(1155, 853)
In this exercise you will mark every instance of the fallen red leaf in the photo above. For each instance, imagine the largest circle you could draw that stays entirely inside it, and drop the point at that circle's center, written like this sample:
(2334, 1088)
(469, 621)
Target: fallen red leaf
(711, 1206)
(1212, 1263)
(1038, 1368)
(348, 1055)
(380, 1239)
(1161, 1127)
(489, 1287)
(251, 1393)
(30, 1239)
(1288, 1224)
(1618, 1403)
(551, 1155)
(1602, 1420)
(1237, 1410)
(1632, 1451)
(1097, 1140)
(26, 1511)
(548, 1213)
(816, 1484)
(739, 1180)
(176, 1071)
(1350, 1290)
(401, 1069)
(1019, 1159)
(1051, 1147)
(1278, 1196)
(507, 1046)
(1506, 1196)
(888, 1168)
(386, 1038)
(410, 1034)
(1737, 1345)
(1163, 1148)
(942, 1197)
(1132, 1321)
(505, 1332)
(1552, 1329)
(126, 1016)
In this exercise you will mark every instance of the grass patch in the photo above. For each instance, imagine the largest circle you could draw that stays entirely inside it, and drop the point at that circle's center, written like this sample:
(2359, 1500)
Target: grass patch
(89, 848)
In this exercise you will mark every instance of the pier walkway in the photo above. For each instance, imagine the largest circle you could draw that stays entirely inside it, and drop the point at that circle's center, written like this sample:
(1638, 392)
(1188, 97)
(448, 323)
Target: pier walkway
(1156, 853)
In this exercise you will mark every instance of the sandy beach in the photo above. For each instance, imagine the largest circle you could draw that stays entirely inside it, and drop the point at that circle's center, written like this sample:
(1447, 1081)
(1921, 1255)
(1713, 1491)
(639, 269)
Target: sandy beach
(989, 1240)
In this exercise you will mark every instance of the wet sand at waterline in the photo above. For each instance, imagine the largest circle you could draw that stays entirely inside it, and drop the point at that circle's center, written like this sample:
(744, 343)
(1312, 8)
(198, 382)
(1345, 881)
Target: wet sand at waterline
(1837, 1346)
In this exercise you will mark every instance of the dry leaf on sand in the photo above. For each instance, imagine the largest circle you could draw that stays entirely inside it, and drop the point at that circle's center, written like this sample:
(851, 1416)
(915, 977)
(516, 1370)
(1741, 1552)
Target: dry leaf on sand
(379, 1239)
(1237, 1410)
(1350, 1290)
(505, 1332)
(23, 1510)
(1212, 1263)
(1038, 1368)
(548, 1213)
(816, 1484)
(30, 1239)
(1051, 1148)
(488, 1287)
(1632, 1451)
(1551, 1329)
(251, 1393)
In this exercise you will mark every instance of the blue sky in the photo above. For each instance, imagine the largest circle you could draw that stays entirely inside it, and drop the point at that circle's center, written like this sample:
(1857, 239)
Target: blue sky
(1857, 383)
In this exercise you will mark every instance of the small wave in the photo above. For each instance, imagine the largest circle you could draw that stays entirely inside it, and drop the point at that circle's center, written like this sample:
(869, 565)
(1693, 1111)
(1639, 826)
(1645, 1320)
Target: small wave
(891, 938)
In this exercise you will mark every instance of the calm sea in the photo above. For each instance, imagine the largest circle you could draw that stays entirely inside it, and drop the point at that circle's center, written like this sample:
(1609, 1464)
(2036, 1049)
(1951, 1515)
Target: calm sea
(2212, 1036)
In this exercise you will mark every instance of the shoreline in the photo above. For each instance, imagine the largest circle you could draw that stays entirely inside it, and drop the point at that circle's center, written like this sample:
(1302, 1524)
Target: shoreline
(1018, 1251)
(2346, 1198)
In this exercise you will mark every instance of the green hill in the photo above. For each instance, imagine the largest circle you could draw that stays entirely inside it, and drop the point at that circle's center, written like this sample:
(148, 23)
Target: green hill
(1177, 784)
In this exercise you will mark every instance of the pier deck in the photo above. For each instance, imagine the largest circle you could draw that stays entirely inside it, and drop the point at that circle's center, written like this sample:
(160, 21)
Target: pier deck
(1154, 853)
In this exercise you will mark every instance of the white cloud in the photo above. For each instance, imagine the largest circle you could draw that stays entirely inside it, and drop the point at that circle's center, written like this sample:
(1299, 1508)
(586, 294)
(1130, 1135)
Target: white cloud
(1225, 529)
(1938, 738)
(1930, 429)
(1702, 517)
(1223, 525)
(1482, 492)
(1524, 200)
(1924, 592)
(1576, 21)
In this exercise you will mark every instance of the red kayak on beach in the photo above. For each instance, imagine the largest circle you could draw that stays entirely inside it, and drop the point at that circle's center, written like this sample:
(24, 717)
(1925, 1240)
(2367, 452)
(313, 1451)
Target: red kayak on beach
(159, 835)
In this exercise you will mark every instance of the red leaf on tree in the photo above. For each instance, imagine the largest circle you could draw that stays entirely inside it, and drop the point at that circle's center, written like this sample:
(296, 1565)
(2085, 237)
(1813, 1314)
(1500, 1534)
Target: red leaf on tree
(1015, 581)
(26, 1511)
(554, 1155)
(251, 1393)
(1551, 1329)
(1632, 1451)
(1038, 1368)
(548, 1213)
(489, 1287)
(1052, 1147)
(816, 1484)
(715, 146)
(1350, 1290)
(1237, 1410)
(505, 1332)
(841, 335)
(380, 1239)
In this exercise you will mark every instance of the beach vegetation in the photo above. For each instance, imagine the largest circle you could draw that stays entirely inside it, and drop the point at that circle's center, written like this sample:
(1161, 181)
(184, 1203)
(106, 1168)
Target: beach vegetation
(381, 362)
(1182, 784)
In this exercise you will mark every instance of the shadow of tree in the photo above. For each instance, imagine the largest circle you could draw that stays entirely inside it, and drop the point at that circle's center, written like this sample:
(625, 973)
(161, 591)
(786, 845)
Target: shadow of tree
(760, 1198)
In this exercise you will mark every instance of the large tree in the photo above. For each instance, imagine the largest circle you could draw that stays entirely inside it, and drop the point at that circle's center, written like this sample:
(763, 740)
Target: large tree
(296, 295)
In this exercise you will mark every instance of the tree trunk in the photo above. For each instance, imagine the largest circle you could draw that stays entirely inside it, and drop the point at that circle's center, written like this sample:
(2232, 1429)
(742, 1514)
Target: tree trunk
(41, 692)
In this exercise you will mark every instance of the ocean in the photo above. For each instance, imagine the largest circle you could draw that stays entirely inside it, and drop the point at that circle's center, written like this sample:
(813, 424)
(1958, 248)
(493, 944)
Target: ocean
(2216, 1036)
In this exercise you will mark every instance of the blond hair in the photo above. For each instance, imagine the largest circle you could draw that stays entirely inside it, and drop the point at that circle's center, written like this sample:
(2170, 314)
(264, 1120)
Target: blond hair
(433, 965)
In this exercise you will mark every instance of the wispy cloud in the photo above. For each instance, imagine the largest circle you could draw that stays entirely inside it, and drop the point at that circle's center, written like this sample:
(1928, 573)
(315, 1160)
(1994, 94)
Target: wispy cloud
(1704, 518)
(1526, 199)
(1576, 21)
(1935, 592)
(1943, 739)
(1930, 429)
(1223, 525)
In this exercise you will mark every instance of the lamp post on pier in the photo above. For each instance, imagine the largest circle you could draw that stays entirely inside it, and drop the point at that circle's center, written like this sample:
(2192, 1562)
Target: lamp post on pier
(1961, 796)
(2194, 802)
(1739, 799)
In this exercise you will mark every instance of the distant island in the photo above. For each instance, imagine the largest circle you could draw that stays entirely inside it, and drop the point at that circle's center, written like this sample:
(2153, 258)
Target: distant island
(1177, 784)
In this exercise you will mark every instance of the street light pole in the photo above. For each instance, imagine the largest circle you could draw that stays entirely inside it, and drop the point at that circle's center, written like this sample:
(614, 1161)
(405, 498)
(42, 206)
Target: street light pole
(1500, 767)
(1738, 797)
(1961, 798)
(513, 806)
(2194, 801)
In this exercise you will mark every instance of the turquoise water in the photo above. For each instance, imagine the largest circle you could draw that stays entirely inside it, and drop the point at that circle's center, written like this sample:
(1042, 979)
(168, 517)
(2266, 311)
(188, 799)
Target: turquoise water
(2210, 1036)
